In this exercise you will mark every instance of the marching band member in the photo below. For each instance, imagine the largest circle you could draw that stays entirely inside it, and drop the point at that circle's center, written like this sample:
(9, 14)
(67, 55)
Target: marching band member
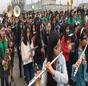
(17, 27)
(11, 39)
(4, 59)
(66, 48)
(56, 74)
(82, 38)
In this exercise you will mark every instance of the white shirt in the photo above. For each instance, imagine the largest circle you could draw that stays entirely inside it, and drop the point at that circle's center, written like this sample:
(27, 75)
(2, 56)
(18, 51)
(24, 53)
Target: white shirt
(25, 52)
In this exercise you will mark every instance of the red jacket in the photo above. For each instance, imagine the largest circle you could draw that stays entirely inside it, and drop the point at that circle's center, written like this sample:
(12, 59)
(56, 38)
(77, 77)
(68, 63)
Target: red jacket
(65, 49)
(86, 25)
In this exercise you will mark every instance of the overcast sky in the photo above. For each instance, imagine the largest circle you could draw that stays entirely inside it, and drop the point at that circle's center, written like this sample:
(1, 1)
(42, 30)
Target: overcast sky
(4, 3)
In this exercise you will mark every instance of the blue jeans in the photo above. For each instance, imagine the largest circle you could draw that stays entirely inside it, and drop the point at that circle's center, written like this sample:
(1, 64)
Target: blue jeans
(29, 71)
(4, 77)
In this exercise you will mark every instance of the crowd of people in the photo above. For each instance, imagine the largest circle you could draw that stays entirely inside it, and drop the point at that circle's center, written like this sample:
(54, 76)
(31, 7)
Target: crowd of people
(38, 38)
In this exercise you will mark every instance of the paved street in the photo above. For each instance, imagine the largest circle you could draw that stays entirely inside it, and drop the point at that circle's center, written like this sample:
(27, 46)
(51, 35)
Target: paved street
(18, 81)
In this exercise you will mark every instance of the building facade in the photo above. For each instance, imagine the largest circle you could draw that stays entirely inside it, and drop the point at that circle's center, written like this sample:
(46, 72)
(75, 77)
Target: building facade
(21, 3)
(45, 5)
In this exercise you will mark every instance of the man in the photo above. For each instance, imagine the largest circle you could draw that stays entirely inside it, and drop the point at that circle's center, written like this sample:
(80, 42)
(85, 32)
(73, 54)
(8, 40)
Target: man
(17, 33)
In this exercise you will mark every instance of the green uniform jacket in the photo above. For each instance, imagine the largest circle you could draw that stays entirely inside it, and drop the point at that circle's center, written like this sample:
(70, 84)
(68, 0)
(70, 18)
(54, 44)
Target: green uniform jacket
(3, 48)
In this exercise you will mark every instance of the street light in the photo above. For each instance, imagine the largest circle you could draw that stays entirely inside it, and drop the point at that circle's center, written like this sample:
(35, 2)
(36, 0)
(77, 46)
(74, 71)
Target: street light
(33, 7)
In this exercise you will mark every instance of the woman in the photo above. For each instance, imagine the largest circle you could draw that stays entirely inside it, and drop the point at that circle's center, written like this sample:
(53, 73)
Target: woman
(65, 42)
(68, 48)
(81, 17)
(82, 36)
(11, 42)
(56, 74)
(3, 45)
(27, 56)
(39, 52)
(71, 19)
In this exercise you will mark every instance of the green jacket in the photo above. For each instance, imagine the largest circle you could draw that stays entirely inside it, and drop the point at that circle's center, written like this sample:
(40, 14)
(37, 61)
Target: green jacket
(3, 48)
(82, 21)
(71, 21)
(44, 19)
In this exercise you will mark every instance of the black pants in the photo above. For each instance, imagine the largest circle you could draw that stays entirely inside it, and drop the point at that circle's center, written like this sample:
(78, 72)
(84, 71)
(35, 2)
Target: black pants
(1, 75)
(69, 70)
(20, 60)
